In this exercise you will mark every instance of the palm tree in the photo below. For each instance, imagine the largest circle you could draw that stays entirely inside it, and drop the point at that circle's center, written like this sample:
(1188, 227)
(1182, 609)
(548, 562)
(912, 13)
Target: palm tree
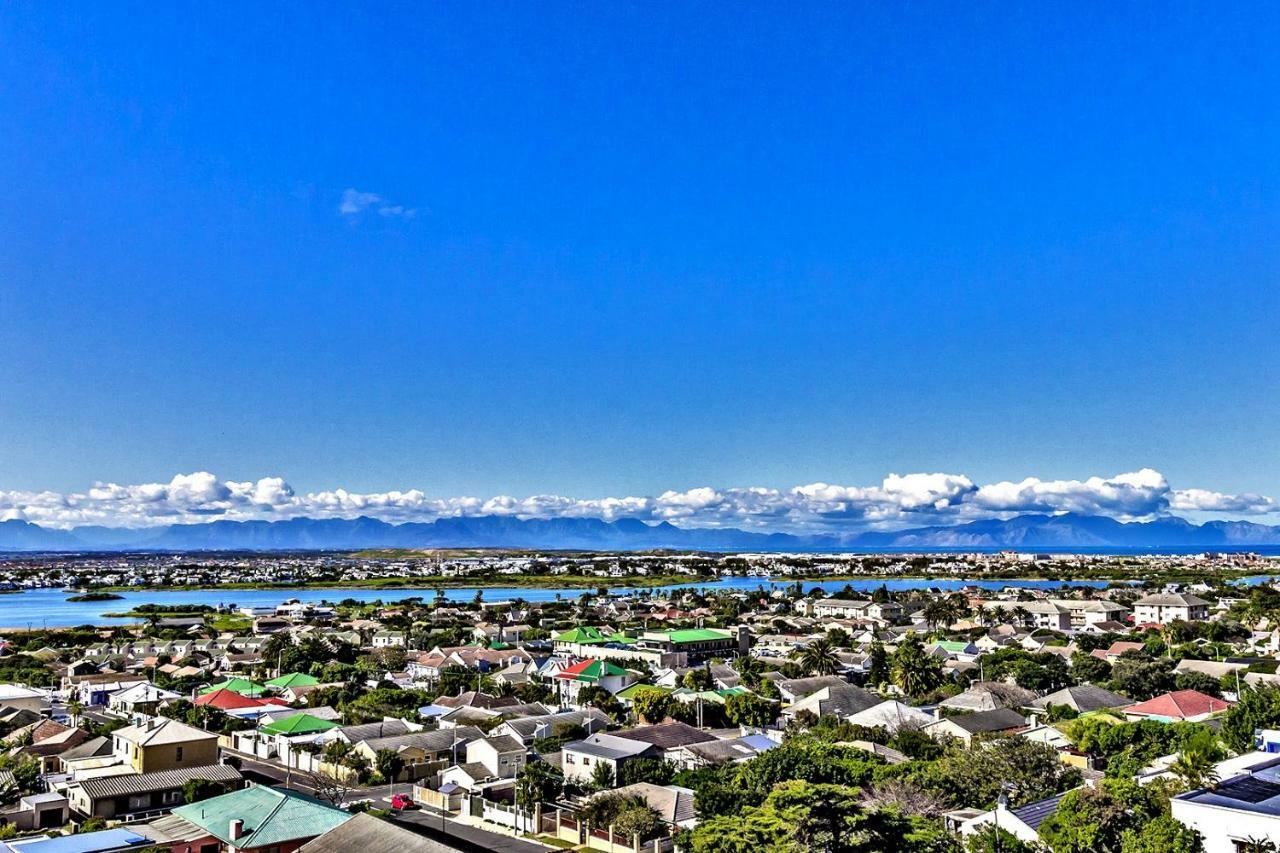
(1195, 767)
(819, 658)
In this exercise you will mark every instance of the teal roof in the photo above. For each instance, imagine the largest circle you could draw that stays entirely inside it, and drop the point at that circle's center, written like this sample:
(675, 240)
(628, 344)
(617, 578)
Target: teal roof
(270, 815)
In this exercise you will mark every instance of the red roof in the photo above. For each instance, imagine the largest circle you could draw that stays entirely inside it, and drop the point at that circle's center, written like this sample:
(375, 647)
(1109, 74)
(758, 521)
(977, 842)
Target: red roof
(228, 700)
(1179, 705)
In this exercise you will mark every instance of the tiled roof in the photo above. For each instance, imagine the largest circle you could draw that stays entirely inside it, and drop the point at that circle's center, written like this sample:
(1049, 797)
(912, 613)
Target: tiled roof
(368, 834)
(161, 730)
(1179, 705)
(667, 735)
(1034, 814)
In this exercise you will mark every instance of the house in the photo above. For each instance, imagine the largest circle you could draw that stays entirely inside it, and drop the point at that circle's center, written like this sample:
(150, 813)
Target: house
(1022, 822)
(579, 759)
(368, 834)
(159, 743)
(715, 752)
(528, 729)
(422, 752)
(1181, 705)
(102, 841)
(389, 639)
(1241, 807)
(795, 689)
(488, 758)
(966, 727)
(21, 697)
(1163, 607)
(840, 700)
(673, 804)
(1082, 699)
(670, 738)
(1116, 649)
(989, 695)
(92, 691)
(259, 819)
(1086, 612)
(591, 673)
(130, 796)
(891, 715)
(141, 698)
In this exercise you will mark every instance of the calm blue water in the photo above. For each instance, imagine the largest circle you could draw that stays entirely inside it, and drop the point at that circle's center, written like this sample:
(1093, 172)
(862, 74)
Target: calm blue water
(49, 607)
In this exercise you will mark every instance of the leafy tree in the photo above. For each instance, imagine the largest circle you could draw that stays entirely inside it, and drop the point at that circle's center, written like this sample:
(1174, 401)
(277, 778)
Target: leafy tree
(698, 679)
(1258, 708)
(1163, 834)
(749, 669)
(878, 665)
(388, 763)
(602, 776)
(538, 782)
(654, 770)
(195, 790)
(801, 816)
(805, 759)
(1195, 763)
(748, 709)
(1096, 819)
(1198, 681)
(973, 777)
(989, 839)
(1086, 669)
(652, 706)
(914, 671)
(1140, 678)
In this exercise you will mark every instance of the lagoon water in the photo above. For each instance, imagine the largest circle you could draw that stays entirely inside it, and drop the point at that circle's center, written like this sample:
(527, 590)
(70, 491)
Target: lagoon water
(49, 608)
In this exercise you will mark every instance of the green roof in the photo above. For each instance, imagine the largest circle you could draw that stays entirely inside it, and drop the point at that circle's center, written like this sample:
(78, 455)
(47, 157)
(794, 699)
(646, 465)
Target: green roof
(272, 816)
(582, 635)
(299, 724)
(952, 645)
(629, 693)
(591, 670)
(243, 686)
(293, 679)
(698, 635)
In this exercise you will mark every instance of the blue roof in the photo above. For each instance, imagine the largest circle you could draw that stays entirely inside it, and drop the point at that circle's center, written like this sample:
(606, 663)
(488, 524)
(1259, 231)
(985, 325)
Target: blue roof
(759, 742)
(87, 842)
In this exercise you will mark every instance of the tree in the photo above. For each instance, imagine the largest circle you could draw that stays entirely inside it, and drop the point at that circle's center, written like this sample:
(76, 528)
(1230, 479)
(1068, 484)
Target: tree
(749, 669)
(1258, 708)
(1199, 682)
(602, 776)
(973, 778)
(653, 705)
(195, 790)
(388, 763)
(654, 770)
(748, 709)
(878, 665)
(801, 816)
(1096, 819)
(1087, 669)
(538, 782)
(1140, 678)
(989, 839)
(698, 678)
(819, 658)
(1164, 834)
(628, 815)
(1194, 765)
(914, 671)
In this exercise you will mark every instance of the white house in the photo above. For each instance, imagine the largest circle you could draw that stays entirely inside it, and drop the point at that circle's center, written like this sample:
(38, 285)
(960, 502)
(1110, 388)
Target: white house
(1165, 607)
(1241, 807)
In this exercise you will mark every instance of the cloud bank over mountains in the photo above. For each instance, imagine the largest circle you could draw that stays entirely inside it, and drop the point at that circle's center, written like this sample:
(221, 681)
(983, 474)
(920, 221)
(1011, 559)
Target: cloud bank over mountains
(898, 501)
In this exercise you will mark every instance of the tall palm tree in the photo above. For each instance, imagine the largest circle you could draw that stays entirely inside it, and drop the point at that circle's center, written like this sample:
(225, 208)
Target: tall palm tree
(819, 658)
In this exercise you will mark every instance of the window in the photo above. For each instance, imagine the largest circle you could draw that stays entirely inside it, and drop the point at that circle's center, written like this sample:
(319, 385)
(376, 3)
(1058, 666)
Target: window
(178, 754)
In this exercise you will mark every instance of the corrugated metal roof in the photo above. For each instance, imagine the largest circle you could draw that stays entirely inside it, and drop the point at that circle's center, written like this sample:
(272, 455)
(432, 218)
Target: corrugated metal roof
(270, 816)
(117, 786)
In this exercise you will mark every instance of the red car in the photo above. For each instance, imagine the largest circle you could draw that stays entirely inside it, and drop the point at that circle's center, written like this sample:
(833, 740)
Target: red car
(401, 802)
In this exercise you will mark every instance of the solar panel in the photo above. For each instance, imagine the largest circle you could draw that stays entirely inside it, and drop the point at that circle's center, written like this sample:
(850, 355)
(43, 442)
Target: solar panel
(1250, 790)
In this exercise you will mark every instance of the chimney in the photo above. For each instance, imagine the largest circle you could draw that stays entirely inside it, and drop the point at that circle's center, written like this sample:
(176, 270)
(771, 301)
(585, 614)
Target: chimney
(236, 830)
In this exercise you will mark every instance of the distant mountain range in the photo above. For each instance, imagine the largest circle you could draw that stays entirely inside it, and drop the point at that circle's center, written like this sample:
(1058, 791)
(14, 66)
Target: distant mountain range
(310, 534)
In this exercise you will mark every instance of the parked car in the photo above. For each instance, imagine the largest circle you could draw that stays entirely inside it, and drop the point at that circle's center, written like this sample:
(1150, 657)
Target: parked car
(402, 802)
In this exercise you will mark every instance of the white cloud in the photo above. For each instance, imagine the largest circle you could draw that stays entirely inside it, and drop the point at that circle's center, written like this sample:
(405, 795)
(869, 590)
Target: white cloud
(897, 501)
(354, 203)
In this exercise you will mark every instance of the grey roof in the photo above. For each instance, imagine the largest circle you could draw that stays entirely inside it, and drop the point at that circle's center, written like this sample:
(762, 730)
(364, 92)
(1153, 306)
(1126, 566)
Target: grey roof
(988, 695)
(609, 746)
(667, 735)
(839, 700)
(368, 834)
(987, 721)
(504, 743)
(1082, 698)
(526, 727)
(386, 728)
(1034, 814)
(672, 803)
(801, 687)
(432, 741)
(140, 783)
(1172, 599)
(169, 829)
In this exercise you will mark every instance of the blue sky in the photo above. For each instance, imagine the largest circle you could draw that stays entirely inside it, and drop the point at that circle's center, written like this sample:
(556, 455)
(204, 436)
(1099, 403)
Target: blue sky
(619, 250)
